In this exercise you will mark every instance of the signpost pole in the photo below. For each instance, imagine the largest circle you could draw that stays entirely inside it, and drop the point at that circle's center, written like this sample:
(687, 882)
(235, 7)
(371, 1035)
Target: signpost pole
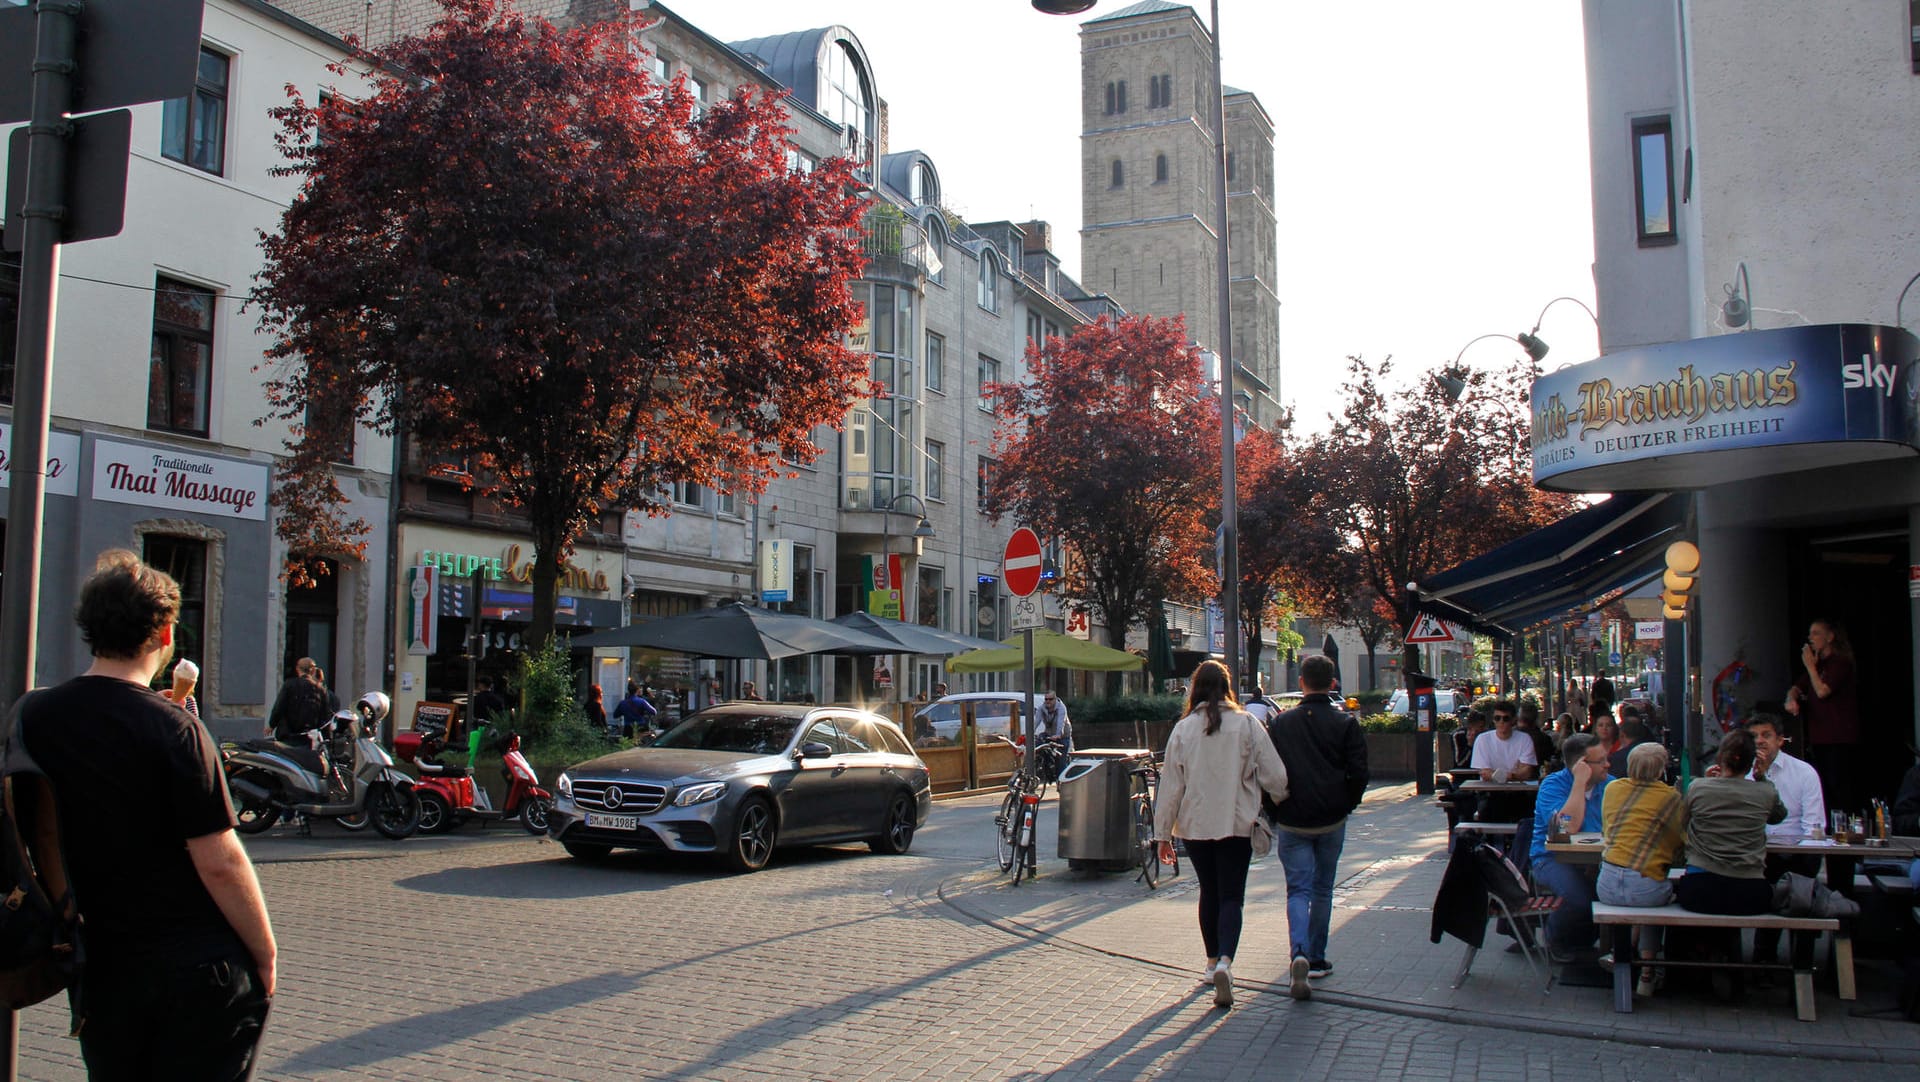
(1026, 648)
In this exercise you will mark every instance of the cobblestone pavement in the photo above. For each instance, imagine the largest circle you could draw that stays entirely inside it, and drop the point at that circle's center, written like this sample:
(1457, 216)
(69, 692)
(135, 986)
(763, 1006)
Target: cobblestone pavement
(495, 956)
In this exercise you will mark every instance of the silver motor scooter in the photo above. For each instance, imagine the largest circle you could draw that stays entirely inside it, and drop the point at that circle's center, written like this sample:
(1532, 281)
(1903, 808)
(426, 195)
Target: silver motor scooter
(350, 778)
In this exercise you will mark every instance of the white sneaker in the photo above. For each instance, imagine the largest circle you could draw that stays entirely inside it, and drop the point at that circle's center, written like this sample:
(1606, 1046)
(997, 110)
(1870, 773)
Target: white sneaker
(1223, 982)
(1206, 975)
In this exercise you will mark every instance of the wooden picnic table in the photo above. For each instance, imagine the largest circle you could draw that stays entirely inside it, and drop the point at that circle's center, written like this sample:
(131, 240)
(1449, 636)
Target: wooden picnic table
(1583, 847)
(1477, 786)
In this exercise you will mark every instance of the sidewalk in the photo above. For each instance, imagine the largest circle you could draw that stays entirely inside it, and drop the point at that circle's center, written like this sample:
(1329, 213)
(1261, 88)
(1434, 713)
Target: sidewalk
(1395, 854)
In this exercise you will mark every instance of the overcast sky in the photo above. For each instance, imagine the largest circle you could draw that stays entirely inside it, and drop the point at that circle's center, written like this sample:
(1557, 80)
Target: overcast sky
(1431, 159)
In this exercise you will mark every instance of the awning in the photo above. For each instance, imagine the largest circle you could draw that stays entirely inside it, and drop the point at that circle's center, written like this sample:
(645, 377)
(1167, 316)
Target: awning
(1614, 546)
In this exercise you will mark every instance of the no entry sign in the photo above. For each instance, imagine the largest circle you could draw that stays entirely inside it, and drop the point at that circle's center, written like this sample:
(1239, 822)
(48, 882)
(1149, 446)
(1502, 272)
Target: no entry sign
(1020, 564)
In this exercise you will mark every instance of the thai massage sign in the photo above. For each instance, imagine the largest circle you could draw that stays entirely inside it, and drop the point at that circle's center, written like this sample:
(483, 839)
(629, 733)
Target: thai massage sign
(512, 565)
(179, 480)
(1711, 410)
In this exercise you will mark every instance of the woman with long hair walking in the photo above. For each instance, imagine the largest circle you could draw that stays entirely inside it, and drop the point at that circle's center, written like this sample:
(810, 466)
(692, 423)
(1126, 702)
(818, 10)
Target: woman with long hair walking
(1219, 761)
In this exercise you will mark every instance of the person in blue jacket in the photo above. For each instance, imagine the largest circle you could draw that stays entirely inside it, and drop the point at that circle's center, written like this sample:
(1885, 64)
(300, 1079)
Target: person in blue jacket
(1574, 794)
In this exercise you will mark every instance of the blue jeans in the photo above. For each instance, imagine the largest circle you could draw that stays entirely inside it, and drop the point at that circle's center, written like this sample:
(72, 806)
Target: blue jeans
(1309, 861)
(1570, 928)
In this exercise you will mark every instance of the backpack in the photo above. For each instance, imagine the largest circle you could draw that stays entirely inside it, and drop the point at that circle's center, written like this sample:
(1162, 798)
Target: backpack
(39, 921)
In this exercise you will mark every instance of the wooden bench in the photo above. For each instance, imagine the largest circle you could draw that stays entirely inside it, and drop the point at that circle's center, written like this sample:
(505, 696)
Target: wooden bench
(1800, 931)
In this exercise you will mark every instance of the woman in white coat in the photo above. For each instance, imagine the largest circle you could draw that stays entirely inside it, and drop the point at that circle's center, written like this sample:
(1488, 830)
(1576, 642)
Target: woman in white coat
(1219, 760)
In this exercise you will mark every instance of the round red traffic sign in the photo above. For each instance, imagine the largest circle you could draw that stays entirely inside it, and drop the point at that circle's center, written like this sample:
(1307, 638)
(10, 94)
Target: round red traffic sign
(1020, 564)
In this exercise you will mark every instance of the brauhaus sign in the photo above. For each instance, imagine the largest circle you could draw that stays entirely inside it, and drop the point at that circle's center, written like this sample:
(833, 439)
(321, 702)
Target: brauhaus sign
(1710, 410)
(178, 480)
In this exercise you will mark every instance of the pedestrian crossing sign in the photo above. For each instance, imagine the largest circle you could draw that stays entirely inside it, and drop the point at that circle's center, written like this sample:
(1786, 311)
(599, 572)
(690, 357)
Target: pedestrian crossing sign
(1429, 628)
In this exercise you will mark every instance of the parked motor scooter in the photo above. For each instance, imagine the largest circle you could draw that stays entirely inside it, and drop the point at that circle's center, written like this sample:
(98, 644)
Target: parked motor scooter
(354, 779)
(449, 795)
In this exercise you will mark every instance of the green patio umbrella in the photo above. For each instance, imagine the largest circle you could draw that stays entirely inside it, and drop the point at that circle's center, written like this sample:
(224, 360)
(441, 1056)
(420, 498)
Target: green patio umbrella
(1160, 646)
(1051, 650)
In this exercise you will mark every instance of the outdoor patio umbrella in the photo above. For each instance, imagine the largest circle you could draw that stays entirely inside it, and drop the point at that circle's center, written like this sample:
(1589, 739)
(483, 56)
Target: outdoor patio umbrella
(1160, 646)
(738, 631)
(1051, 650)
(914, 638)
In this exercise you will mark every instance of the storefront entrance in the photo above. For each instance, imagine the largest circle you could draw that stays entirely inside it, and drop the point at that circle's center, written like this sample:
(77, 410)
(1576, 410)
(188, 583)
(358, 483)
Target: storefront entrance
(1856, 574)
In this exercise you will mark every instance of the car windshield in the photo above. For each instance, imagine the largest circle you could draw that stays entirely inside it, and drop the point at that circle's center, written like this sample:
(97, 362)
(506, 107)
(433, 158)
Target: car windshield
(750, 734)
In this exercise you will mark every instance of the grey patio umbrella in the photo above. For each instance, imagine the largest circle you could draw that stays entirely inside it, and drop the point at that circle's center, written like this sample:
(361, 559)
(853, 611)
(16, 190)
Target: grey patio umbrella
(914, 638)
(738, 631)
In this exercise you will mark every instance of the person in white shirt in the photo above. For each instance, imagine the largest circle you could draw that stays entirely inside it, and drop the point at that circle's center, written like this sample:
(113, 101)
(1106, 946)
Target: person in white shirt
(1796, 780)
(1502, 753)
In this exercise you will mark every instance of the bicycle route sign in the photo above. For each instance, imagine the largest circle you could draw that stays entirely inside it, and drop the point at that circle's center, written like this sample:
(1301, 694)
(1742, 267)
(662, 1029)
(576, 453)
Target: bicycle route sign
(1020, 565)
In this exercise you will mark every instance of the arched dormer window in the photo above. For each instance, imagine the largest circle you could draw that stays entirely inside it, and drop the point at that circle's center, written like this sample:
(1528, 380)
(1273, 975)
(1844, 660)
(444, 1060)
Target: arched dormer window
(989, 291)
(1159, 168)
(923, 186)
(846, 97)
(1119, 174)
(936, 228)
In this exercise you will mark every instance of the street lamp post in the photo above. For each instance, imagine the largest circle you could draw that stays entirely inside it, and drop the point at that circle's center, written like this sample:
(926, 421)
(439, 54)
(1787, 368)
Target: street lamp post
(1229, 508)
(922, 532)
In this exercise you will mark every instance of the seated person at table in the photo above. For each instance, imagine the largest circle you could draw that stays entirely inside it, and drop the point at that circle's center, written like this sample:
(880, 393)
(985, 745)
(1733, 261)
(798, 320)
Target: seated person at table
(1727, 817)
(1605, 730)
(1645, 826)
(1633, 733)
(1794, 779)
(1503, 754)
(1529, 726)
(1906, 804)
(1576, 793)
(1473, 723)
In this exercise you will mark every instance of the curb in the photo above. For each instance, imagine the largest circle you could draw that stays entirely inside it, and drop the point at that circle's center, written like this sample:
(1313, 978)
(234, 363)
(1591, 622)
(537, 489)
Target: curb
(952, 890)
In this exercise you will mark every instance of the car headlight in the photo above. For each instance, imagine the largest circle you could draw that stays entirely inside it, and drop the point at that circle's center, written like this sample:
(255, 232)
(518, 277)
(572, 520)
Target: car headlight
(700, 794)
(564, 785)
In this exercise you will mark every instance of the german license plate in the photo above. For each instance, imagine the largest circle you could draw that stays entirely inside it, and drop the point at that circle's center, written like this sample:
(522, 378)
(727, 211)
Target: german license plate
(613, 822)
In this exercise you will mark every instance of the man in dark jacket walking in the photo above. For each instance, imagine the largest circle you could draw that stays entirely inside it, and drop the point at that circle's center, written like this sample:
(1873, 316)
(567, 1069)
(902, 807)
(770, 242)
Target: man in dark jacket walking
(1326, 760)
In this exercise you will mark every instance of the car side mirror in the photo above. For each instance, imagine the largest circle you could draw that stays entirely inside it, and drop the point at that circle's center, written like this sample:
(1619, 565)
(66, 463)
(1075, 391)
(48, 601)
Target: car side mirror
(814, 749)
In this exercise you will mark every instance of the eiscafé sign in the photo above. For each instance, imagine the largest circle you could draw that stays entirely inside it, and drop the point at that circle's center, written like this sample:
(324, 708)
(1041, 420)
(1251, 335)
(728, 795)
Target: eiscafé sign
(63, 461)
(176, 480)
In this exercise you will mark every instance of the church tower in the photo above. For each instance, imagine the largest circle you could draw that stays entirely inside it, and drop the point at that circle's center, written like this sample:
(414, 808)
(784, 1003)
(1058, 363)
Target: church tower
(1147, 171)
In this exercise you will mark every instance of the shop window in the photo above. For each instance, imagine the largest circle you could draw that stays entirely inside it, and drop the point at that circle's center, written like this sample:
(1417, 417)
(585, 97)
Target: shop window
(185, 559)
(193, 129)
(180, 369)
(1653, 181)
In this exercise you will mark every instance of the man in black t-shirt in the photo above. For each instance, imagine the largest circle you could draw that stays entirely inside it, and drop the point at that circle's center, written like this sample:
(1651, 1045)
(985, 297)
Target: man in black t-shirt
(180, 955)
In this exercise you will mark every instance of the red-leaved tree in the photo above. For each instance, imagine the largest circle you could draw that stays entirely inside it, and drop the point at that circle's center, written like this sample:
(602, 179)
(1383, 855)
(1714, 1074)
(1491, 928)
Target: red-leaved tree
(1112, 447)
(540, 262)
(1413, 483)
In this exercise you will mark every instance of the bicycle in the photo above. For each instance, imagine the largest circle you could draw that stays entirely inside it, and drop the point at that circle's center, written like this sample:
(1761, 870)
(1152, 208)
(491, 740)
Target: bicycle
(1145, 782)
(1016, 827)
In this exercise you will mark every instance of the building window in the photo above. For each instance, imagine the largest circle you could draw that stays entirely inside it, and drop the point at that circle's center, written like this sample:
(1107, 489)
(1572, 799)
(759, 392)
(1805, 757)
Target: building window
(936, 362)
(989, 291)
(984, 476)
(687, 494)
(1653, 181)
(937, 246)
(1160, 92)
(1913, 31)
(1230, 169)
(928, 609)
(1034, 332)
(936, 470)
(1116, 97)
(185, 559)
(1159, 168)
(661, 68)
(1119, 174)
(989, 375)
(193, 129)
(180, 371)
(924, 188)
(698, 88)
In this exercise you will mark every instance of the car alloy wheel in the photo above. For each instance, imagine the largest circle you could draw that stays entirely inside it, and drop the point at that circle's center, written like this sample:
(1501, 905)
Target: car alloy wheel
(753, 836)
(896, 834)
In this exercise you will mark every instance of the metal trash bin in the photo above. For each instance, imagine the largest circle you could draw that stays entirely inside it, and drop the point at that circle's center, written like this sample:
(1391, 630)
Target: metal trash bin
(1096, 828)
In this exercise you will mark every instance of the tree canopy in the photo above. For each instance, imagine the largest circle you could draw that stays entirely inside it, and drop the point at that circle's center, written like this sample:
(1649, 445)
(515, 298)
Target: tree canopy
(1412, 483)
(535, 260)
(1111, 447)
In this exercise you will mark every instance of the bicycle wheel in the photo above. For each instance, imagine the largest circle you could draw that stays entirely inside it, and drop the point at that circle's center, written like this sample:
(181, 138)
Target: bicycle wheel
(1026, 845)
(1143, 840)
(1006, 828)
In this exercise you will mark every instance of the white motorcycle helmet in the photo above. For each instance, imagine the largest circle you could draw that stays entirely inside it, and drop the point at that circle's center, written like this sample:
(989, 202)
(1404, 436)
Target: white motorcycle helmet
(375, 705)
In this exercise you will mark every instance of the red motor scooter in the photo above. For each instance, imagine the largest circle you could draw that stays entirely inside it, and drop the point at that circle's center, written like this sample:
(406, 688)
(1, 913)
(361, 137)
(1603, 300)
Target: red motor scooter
(449, 795)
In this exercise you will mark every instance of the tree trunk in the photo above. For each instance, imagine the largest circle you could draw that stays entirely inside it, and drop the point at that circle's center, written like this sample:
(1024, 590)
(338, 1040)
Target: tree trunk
(546, 582)
(1117, 639)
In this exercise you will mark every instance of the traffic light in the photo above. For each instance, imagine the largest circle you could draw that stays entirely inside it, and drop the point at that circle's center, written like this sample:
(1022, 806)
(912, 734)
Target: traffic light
(1683, 565)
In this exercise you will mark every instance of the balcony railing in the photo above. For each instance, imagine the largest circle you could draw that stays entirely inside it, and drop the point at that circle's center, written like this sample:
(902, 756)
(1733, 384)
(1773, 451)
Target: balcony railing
(895, 245)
